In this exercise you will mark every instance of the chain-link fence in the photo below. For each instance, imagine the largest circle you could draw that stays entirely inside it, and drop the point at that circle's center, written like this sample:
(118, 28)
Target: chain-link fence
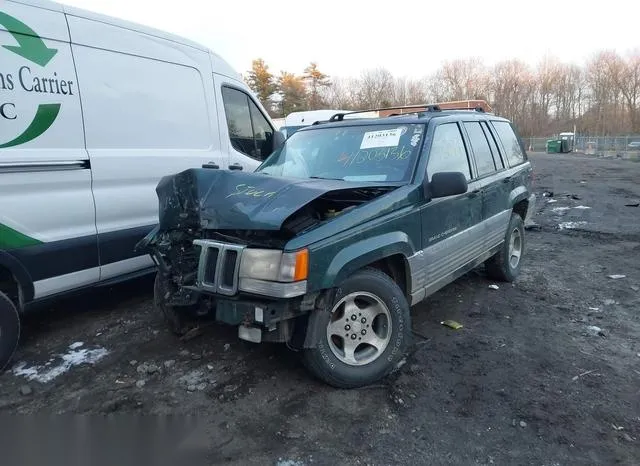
(620, 146)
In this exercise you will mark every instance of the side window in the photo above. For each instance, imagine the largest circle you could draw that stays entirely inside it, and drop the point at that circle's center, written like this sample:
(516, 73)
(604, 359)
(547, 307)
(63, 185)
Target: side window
(497, 159)
(510, 142)
(448, 153)
(249, 131)
(262, 132)
(481, 149)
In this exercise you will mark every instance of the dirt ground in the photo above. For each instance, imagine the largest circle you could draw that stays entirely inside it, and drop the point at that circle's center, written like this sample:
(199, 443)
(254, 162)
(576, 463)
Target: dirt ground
(545, 371)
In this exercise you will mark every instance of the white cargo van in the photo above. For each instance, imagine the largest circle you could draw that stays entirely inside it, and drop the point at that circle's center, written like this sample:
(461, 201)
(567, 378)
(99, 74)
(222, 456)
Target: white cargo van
(94, 111)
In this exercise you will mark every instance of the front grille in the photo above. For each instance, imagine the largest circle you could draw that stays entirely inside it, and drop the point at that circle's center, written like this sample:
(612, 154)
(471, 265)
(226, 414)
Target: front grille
(227, 276)
(210, 265)
(218, 267)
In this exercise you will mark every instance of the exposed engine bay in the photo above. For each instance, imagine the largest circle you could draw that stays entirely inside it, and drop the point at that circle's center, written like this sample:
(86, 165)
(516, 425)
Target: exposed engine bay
(324, 208)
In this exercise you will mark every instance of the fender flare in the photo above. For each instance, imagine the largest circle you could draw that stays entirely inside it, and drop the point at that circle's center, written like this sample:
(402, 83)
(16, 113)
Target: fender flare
(518, 194)
(365, 252)
(20, 273)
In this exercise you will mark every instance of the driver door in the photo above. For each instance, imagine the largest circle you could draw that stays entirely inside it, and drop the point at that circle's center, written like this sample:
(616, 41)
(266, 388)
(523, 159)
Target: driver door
(451, 226)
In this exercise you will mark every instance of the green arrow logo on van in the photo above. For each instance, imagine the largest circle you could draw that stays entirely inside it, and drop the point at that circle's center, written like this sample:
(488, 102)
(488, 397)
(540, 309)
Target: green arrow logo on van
(45, 116)
(31, 46)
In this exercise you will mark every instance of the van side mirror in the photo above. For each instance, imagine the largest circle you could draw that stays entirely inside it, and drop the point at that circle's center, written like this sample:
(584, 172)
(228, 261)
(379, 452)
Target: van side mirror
(445, 184)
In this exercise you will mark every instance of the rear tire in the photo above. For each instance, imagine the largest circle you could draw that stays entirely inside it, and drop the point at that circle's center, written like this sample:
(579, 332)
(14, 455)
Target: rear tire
(9, 330)
(178, 322)
(505, 265)
(364, 334)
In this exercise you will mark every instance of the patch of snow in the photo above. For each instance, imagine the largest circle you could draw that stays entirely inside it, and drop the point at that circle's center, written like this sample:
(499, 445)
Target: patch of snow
(282, 462)
(560, 209)
(192, 378)
(44, 374)
(570, 225)
(551, 201)
(76, 345)
(583, 207)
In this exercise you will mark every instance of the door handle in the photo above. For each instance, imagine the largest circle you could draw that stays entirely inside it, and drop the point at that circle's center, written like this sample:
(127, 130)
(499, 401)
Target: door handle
(213, 165)
(473, 193)
(235, 166)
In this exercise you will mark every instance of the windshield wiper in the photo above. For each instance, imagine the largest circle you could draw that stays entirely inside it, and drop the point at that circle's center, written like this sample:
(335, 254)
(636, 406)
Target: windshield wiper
(322, 178)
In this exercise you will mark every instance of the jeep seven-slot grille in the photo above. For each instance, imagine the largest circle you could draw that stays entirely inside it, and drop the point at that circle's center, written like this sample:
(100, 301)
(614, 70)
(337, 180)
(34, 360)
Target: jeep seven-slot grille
(218, 266)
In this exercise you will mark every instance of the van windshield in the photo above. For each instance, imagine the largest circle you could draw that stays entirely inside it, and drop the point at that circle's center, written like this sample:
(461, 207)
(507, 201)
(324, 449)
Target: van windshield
(385, 153)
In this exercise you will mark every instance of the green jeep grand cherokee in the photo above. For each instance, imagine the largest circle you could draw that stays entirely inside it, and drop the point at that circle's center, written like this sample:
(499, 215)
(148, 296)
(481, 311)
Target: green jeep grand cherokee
(343, 228)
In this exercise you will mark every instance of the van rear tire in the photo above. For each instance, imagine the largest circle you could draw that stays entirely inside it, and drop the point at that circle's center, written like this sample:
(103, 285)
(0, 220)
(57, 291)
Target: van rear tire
(9, 330)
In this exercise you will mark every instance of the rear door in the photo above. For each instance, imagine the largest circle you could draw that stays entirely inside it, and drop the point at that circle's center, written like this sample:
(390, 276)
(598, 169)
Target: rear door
(244, 129)
(47, 215)
(492, 178)
(451, 226)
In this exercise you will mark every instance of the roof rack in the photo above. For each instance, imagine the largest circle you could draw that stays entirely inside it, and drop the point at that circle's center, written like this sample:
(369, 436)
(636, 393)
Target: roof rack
(477, 105)
(423, 107)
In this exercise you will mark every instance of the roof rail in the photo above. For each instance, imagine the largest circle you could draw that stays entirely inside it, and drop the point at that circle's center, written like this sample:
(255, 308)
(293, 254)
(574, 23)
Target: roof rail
(421, 107)
(477, 105)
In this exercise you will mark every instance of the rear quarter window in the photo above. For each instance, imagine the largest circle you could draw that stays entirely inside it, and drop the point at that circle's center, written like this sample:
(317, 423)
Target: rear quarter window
(510, 142)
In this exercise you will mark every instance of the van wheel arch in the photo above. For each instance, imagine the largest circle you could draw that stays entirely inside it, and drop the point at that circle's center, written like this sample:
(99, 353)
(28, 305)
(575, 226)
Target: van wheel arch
(24, 290)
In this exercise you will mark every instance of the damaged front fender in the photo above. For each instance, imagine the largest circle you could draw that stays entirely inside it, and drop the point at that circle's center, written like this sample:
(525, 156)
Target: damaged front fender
(144, 245)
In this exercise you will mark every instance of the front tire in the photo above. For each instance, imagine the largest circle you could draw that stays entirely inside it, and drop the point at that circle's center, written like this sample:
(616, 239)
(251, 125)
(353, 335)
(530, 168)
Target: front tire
(505, 265)
(364, 334)
(9, 330)
(178, 322)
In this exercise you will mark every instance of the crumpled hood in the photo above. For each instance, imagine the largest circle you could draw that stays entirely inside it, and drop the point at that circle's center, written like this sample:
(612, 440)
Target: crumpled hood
(221, 199)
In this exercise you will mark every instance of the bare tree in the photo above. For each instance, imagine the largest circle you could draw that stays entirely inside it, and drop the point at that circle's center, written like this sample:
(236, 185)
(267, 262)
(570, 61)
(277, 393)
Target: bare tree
(340, 94)
(626, 77)
(464, 79)
(375, 88)
(600, 98)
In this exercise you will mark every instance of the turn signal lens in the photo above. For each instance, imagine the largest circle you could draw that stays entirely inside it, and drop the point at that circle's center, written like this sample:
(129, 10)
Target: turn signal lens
(302, 265)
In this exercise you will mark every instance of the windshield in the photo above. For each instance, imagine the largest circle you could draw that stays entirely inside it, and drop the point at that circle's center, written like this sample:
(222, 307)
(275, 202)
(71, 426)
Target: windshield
(351, 153)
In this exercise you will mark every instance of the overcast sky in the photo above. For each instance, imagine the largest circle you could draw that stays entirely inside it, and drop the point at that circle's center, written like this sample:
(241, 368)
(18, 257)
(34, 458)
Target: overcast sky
(410, 38)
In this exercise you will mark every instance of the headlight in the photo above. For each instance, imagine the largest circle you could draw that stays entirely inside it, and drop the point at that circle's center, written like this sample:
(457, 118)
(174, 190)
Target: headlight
(274, 265)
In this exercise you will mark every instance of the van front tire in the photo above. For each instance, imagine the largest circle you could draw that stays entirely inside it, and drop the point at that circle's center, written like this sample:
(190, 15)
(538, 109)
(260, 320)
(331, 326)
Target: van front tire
(364, 334)
(9, 330)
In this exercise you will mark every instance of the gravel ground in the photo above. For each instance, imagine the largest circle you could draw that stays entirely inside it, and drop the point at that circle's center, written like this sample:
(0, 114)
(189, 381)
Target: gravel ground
(545, 371)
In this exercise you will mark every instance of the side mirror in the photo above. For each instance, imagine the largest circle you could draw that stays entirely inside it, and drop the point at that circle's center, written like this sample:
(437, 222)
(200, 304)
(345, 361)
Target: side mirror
(445, 184)
(278, 140)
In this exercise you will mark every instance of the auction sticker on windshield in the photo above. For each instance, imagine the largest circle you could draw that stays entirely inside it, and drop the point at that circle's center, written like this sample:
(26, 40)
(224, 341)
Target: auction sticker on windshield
(383, 138)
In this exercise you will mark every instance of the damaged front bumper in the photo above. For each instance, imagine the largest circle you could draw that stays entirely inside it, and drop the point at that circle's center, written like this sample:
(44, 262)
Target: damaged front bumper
(261, 320)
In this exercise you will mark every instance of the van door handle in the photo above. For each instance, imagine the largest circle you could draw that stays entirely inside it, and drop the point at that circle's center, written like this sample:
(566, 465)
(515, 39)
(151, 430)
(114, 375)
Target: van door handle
(235, 166)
